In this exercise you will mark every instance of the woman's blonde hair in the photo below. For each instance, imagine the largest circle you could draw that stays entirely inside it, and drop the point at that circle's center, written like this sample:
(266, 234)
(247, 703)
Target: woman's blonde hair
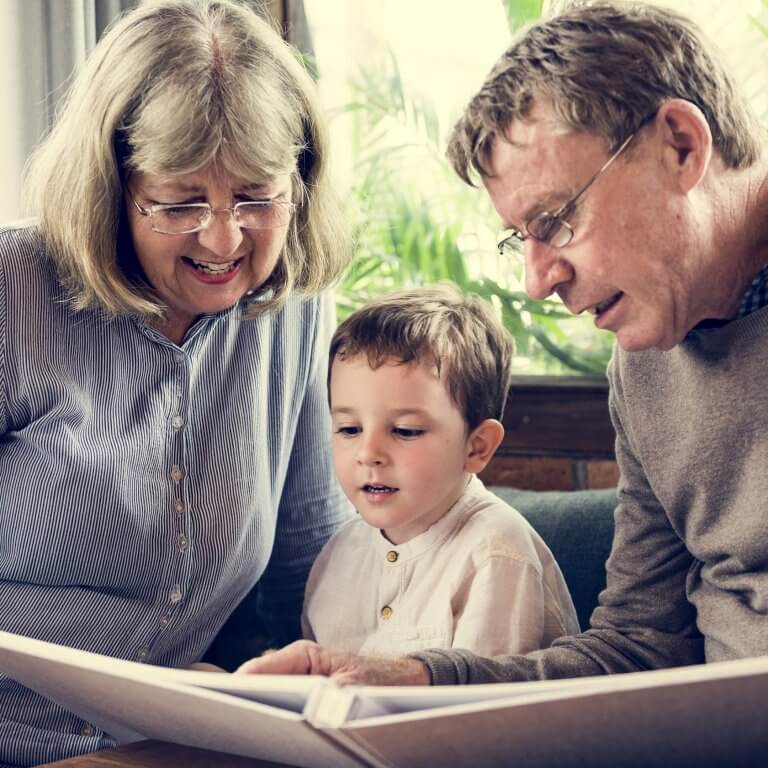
(173, 86)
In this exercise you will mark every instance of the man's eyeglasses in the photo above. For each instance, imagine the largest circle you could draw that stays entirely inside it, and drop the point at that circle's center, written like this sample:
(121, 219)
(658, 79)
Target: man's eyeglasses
(552, 228)
(183, 219)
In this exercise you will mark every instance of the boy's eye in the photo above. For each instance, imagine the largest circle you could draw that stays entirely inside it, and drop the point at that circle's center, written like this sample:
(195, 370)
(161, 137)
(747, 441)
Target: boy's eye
(407, 432)
(348, 431)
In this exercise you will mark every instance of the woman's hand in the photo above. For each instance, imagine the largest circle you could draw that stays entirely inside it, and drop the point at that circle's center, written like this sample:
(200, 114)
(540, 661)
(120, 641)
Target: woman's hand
(204, 666)
(307, 658)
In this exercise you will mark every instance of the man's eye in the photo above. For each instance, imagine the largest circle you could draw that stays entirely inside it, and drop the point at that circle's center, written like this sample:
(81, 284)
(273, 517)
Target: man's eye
(407, 432)
(348, 431)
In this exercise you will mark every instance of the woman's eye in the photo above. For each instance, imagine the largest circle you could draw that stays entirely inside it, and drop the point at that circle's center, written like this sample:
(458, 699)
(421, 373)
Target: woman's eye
(407, 432)
(176, 211)
(348, 431)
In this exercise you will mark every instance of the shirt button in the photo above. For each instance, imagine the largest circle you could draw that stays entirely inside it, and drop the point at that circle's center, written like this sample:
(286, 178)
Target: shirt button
(87, 730)
(164, 620)
(177, 422)
(392, 556)
(176, 473)
(142, 654)
(386, 612)
(179, 507)
(175, 594)
(183, 543)
(180, 358)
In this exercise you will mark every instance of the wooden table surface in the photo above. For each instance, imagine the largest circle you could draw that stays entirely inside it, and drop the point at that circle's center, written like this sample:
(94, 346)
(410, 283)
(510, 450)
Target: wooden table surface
(160, 754)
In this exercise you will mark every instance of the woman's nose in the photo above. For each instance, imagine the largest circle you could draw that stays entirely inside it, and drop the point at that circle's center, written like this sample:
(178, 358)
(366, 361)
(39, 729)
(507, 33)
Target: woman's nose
(223, 235)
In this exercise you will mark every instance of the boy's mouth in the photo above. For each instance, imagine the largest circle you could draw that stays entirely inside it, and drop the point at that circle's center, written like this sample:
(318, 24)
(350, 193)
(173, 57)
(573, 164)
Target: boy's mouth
(377, 488)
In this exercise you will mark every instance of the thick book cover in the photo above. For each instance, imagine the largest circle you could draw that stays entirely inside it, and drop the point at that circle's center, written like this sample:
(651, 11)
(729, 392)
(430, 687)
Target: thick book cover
(709, 715)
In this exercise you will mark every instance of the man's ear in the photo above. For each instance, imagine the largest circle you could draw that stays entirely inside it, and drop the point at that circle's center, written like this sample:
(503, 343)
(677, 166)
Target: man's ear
(687, 141)
(482, 444)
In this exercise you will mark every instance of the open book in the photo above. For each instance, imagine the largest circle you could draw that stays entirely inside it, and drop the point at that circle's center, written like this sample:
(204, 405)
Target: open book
(702, 716)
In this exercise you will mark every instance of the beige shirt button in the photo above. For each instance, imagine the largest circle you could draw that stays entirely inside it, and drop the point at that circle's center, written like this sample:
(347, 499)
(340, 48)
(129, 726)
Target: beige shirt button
(176, 473)
(142, 654)
(177, 422)
(179, 507)
(386, 612)
(175, 594)
(87, 730)
(392, 556)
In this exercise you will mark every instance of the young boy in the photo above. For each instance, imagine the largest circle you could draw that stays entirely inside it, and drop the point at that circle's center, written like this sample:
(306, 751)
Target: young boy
(417, 385)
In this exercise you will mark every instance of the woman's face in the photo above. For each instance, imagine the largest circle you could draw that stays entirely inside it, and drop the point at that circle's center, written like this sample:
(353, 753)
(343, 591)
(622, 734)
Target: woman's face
(210, 270)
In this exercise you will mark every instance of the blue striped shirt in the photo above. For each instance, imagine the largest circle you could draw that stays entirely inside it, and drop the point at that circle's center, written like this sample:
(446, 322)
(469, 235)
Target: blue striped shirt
(146, 487)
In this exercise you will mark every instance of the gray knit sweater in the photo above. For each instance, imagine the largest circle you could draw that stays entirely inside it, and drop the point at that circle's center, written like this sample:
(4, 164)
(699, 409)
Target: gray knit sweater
(688, 573)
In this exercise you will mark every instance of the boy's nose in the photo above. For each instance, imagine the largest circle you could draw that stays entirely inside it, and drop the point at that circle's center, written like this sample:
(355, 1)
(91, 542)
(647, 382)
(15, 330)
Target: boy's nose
(369, 454)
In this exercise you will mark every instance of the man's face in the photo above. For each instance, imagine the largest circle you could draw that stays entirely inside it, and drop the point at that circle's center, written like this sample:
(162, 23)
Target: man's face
(632, 260)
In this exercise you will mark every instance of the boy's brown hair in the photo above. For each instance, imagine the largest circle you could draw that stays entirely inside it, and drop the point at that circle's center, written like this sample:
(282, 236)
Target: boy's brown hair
(460, 334)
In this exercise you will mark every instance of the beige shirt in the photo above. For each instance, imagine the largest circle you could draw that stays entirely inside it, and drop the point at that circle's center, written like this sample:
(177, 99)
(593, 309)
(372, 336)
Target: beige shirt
(480, 578)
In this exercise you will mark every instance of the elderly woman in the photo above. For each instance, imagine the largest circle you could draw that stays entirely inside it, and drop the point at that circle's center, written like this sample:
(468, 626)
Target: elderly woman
(163, 341)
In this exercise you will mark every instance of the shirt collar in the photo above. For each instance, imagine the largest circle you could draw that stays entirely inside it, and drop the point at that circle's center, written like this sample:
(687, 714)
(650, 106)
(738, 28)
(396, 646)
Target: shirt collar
(755, 297)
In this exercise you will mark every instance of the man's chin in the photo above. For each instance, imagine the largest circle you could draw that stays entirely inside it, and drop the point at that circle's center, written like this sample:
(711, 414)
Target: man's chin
(642, 339)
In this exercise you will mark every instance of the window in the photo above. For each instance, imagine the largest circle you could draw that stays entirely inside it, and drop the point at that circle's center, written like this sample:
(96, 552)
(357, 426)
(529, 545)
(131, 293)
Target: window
(394, 77)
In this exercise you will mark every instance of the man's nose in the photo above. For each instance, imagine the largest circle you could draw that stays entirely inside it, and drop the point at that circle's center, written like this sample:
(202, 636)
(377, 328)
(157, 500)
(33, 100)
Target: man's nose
(223, 235)
(545, 269)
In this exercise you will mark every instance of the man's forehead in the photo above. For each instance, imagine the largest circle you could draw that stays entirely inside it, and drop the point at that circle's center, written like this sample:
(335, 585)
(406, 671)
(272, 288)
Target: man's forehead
(537, 164)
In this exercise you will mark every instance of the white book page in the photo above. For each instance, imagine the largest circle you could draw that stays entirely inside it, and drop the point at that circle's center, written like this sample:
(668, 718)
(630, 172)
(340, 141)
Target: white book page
(130, 700)
(706, 716)
(285, 691)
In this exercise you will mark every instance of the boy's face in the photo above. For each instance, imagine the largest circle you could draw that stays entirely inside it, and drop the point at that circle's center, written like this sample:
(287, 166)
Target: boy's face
(400, 444)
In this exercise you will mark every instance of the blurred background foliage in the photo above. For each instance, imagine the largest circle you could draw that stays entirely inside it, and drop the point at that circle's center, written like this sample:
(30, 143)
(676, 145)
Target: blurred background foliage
(414, 222)
(404, 237)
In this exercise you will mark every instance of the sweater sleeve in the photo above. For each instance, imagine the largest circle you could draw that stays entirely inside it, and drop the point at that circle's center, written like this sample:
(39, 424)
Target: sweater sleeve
(644, 620)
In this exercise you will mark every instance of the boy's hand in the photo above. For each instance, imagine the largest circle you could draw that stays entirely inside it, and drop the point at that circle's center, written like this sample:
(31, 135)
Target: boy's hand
(307, 658)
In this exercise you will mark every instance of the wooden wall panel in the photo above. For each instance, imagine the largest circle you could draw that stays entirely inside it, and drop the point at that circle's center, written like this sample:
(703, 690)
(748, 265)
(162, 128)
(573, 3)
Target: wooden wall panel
(558, 436)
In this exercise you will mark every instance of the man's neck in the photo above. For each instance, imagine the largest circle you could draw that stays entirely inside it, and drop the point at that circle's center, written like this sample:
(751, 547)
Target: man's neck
(742, 248)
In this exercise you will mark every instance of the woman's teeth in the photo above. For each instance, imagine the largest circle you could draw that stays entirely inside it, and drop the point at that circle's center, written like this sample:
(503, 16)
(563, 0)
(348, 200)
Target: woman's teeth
(213, 268)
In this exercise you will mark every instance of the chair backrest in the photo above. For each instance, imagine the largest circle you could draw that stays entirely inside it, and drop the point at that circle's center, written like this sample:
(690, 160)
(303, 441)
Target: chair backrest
(578, 527)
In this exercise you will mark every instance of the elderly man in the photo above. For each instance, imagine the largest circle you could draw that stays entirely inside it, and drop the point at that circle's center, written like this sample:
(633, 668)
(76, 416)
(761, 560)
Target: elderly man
(630, 178)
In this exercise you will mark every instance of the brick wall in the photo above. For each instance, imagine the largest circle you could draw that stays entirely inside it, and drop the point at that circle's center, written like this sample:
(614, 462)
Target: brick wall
(558, 436)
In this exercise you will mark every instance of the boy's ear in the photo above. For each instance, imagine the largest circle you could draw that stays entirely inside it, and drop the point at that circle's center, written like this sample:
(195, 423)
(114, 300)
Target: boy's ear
(482, 444)
(687, 141)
